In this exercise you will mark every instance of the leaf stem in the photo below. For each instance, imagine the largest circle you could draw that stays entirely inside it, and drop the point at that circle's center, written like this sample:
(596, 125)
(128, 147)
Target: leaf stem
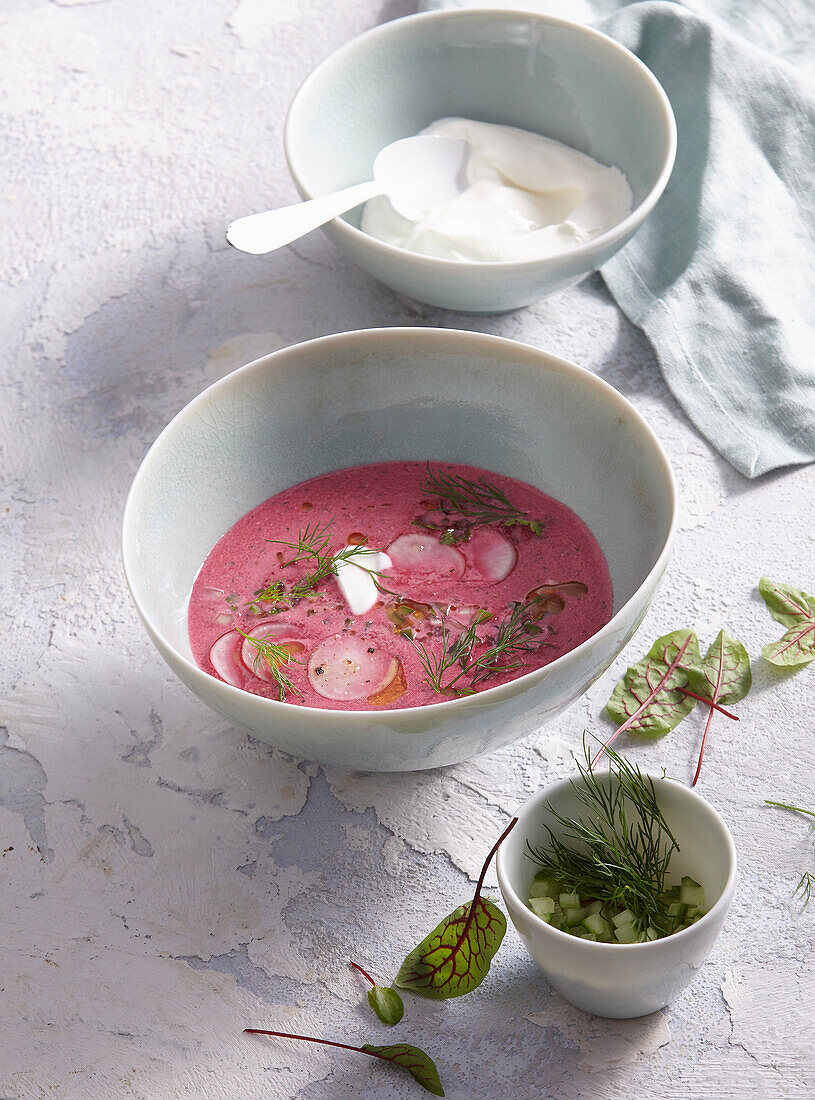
(710, 703)
(702, 746)
(644, 705)
(364, 973)
(481, 877)
(311, 1039)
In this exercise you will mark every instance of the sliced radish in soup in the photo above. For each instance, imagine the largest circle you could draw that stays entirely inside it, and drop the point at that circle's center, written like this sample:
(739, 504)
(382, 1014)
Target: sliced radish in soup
(463, 617)
(346, 667)
(493, 556)
(225, 656)
(280, 634)
(423, 555)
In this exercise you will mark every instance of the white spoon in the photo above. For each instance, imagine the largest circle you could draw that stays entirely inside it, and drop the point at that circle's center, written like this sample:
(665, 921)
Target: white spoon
(415, 173)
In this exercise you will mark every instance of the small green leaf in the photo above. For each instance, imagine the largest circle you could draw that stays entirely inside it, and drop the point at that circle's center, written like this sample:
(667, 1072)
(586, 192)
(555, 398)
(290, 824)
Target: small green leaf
(724, 674)
(455, 958)
(795, 610)
(386, 1003)
(649, 700)
(419, 1065)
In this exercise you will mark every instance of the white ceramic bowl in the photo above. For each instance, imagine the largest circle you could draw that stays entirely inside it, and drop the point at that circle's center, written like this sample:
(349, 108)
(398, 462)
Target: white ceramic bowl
(385, 394)
(612, 979)
(561, 79)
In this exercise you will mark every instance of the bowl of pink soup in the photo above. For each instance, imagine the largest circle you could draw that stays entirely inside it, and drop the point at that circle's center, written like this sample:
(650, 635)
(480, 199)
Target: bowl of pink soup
(398, 548)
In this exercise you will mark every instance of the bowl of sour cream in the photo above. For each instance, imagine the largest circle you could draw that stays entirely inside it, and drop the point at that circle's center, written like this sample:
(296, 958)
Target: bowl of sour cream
(350, 446)
(571, 143)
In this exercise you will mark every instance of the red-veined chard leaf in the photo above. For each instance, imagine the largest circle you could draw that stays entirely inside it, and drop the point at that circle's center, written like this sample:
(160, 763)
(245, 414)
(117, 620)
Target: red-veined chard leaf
(795, 610)
(455, 958)
(649, 699)
(722, 676)
(386, 1003)
(419, 1065)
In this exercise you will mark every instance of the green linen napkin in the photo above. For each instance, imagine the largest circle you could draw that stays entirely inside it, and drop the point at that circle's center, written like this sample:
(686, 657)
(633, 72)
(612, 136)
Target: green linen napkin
(721, 277)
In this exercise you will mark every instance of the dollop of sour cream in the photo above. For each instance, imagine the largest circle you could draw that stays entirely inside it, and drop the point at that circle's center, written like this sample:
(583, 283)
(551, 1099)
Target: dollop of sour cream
(356, 577)
(528, 197)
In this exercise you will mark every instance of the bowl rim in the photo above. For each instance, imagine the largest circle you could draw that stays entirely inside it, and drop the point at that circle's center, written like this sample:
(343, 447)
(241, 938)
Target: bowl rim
(393, 336)
(560, 938)
(610, 237)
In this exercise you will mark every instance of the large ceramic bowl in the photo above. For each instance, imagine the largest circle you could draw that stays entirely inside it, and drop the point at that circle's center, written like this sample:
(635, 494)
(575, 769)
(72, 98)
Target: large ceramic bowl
(382, 394)
(615, 979)
(556, 78)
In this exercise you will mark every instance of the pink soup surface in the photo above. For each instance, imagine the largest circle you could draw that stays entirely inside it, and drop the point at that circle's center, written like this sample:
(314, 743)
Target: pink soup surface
(557, 583)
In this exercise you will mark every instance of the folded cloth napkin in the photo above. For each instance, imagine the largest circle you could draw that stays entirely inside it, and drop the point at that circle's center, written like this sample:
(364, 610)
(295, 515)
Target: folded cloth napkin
(721, 277)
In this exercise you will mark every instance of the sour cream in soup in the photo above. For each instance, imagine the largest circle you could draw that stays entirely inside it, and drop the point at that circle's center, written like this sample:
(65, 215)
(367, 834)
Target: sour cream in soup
(528, 197)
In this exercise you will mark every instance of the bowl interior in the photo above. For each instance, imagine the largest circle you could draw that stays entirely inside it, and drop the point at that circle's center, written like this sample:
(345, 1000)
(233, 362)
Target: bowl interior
(706, 849)
(382, 395)
(555, 78)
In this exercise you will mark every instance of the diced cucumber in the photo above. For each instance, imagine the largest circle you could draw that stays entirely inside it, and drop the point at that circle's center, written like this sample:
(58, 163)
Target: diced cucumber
(595, 907)
(597, 924)
(627, 933)
(651, 933)
(677, 909)
(569, 901)
(543, 908)
(626, 917)
(588, 936)
(574, 915)
(691, 893)
(545, 886)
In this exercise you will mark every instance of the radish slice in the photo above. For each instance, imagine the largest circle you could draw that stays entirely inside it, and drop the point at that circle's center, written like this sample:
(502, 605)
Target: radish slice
(394, 689)
(425, 555)
(463, 617)
(279, 633)
(226, 659)
(347, 667)
(549, 599)
(493, 556)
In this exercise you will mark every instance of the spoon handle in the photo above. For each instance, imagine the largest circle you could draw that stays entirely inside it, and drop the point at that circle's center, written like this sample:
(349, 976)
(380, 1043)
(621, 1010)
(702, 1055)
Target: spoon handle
(259, 233)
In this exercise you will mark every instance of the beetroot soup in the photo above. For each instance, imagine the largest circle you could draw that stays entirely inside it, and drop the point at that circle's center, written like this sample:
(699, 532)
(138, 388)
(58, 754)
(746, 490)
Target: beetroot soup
(396, 585)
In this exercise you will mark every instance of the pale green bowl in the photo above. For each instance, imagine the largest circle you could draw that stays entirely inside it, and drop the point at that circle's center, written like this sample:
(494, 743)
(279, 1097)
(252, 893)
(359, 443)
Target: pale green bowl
(556, 78)
(389, 394)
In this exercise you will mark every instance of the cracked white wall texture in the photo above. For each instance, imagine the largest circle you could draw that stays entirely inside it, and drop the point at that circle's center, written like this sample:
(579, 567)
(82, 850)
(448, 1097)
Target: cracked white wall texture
(167, 881)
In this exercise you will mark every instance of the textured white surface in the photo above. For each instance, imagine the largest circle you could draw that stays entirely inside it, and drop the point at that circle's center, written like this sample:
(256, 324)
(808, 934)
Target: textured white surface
(167, 881)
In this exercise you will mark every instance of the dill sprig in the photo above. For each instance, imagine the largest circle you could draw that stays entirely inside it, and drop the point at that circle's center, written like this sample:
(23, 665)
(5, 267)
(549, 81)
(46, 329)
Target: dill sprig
(515, 636)
(620, 850)
(806, 883)
(276, 656)
(313, 544)
(274, 594)
(479, 502)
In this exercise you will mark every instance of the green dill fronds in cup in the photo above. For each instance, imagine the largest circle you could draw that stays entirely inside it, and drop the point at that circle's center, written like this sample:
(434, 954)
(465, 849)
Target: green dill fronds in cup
(604, 875)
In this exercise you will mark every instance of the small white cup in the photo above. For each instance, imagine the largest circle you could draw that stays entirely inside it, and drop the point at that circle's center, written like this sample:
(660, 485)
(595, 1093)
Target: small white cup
(610, 979)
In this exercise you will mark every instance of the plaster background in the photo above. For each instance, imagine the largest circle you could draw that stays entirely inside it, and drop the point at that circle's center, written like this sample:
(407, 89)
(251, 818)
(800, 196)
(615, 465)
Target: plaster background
(166, 880)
